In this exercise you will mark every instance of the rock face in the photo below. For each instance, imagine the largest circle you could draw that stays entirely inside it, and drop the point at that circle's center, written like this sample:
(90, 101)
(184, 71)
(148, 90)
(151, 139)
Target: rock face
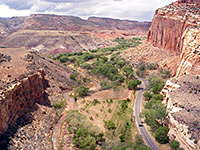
(19, 98)
(29, 84)
(182, 99)
(176, 30)
(190, 53)
(169, 24)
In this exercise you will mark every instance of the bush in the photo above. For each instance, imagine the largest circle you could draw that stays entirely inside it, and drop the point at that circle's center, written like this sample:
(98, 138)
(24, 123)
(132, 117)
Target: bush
(110, 125)
(161, 135)
(157, 97)
(86, 66)
(133, 84)
(82, 91)
(147, 95)
(127, 70)
(174, 144)
(86, 136)
(109, 110)
(59, 104)
(155, 84)
(72, 77)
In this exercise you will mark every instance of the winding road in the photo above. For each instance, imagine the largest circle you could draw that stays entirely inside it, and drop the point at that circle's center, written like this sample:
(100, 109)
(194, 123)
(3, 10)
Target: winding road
(143, 131)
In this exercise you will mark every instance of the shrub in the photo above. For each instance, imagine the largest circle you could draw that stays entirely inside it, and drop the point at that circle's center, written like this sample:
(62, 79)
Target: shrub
(72, 77)
(174, 144)
(157, 97)
(161, 135)
(110, 125)
(134, 83)
(155, 84)
(60, 104)
(147, 95)
(82, 91)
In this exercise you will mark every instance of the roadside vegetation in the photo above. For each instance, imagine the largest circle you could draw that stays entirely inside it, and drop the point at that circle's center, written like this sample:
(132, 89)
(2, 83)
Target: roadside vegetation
(114, 116)
(155, 112)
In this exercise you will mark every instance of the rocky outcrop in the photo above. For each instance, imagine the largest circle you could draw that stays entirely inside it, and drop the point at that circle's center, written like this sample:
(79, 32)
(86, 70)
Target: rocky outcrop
(19, 99)
(26, 114)
(183, 105)
(190, 53)
(176, 29)
(169, 24)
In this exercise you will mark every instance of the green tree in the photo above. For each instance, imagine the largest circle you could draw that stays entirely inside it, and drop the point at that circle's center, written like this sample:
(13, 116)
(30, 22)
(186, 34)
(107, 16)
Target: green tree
(82, 91)
(147, 95)
(127, 70)
(161, 135)
(110, 125)
(133, 84)
(72, 77)
(175, 145)
(157, 97)
(155, 84)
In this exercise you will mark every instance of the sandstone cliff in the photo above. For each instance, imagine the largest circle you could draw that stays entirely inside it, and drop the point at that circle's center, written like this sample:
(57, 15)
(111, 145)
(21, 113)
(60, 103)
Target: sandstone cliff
(176, 29)
(18, 99)
(183, 104)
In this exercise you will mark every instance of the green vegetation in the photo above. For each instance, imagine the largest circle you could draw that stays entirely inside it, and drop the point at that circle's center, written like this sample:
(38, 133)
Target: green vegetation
(72, 77)
(82, 91)
(133, 84)
(128, 71)
(147, 95)
(155, 84)
(161, 135)
(86, 136)
(60, 104)
(126, 43)
(155, 112)
(175, 145)
(110, 125)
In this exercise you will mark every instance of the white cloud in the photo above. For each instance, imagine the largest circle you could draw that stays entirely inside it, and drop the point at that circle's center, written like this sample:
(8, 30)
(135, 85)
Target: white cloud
(123, 9)
(5, 11)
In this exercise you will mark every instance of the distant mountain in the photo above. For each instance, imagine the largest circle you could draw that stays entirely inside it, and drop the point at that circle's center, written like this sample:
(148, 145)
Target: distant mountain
(68, 23)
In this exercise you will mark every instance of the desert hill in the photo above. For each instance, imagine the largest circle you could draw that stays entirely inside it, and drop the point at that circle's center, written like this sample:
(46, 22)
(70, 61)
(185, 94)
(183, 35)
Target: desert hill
(52, 34)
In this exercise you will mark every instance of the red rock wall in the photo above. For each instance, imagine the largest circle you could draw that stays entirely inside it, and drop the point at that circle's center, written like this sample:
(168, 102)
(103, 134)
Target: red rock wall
(166, 33)
(16, 101)
(190, 1)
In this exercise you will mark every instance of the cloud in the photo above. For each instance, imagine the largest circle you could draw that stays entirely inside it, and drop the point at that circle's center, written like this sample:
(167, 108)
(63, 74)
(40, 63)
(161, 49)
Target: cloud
(66, 1)
(123, 9)
(18, 4)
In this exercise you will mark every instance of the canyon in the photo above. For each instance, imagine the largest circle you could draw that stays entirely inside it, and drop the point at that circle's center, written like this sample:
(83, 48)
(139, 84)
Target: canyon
(31, 82)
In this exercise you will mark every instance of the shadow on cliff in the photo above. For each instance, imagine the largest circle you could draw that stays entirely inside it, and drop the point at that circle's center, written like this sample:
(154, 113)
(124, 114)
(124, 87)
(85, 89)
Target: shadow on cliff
(27, 118)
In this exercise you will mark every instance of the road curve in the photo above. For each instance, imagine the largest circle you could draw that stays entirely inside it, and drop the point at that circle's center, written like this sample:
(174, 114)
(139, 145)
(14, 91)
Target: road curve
(143, 131)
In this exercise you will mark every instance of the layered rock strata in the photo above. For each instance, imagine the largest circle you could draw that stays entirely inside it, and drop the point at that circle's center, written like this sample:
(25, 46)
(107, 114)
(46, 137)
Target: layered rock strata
(182, 97)
(176, 29)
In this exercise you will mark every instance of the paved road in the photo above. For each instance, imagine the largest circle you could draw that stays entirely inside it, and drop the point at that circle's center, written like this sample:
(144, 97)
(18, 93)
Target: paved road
(143, 131)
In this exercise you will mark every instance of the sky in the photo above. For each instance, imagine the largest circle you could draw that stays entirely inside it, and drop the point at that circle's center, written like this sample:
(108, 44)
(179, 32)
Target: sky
(141, 10)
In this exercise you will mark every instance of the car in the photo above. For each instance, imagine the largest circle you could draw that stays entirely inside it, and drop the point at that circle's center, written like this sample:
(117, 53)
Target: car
(140, 125)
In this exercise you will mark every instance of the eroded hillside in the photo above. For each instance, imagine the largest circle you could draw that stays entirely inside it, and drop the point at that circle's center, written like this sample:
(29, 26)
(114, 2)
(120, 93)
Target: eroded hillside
(29, 84)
